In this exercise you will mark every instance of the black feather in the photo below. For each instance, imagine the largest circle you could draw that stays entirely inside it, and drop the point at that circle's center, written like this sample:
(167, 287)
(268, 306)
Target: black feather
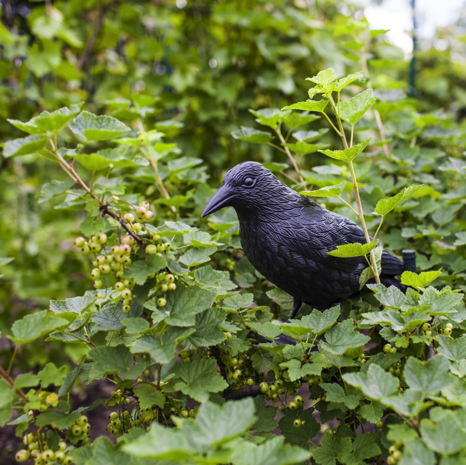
(287, 236)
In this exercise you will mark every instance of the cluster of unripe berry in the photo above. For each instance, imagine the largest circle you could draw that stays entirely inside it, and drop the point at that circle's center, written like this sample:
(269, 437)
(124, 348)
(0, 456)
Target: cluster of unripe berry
(388, 349)
(82, 427)
(40, 451)
(395, 453)
(118, 425)
(239, 369)
(427, 328)
(165, 283)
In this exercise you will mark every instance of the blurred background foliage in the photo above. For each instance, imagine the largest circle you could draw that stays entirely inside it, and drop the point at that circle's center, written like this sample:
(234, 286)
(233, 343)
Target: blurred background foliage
(207, 62)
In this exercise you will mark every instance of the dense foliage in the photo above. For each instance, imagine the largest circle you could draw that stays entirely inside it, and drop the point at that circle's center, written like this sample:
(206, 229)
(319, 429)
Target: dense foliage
(164, 306)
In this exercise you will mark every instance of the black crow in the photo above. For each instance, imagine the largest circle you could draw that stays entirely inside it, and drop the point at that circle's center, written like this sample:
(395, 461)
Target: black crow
(287, 236)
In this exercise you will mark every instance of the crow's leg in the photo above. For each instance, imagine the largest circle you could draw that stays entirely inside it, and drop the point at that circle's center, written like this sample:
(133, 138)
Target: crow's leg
(296, 307)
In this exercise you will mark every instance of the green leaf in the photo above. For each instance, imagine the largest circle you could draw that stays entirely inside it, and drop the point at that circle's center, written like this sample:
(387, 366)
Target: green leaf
(301, 435)
(416, 453)
(73, 305)
(391, 297)
(453, 349)
(372, 411)
(35, 326)
(110, 360)
(375, 384)
(353, 250)
(6, 394)
(252, 135)
(25, 146)
(135, 325)
(142, 269)
(48, 123)
(274, 167)
(309, 105)
(110, 317)
(385, 206)
(94, 128)
(161, 443)
(265, 415)
(208, 332)
(219, 425)
(199, 378)
(50, 374)
(148, 397)
(296, 371)
(271, 452)
(324, 78)
(109, 158)
(329, 191)
(199, 239)
(331, 449)
(266, 329)
(238, 301)
(335, 393)
(445, 436)
(343, 337)
(347, 154)
(54, 188)
(419, 281)
(61, 419)
(353, 110)
(194, 257)
(322, 321)
(302, 148)
(294, 120)
(269, 117)
(183, 164)
(26, 380)
(162, 349)
(441, 303)
(428, 377)
(183, 304)
(347, 80)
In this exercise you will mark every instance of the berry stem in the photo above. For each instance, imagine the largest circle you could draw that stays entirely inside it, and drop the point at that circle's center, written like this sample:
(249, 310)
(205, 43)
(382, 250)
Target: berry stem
(105, 210)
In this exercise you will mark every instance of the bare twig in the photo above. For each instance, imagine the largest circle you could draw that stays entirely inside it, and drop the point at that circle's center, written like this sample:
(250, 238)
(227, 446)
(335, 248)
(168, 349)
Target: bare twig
(92, 38)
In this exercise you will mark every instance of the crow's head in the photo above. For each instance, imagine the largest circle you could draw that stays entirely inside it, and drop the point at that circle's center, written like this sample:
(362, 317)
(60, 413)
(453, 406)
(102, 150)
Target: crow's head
(246, 187)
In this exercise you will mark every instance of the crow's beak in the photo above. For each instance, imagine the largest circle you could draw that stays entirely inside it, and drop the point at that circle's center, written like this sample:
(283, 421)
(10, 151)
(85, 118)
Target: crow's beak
(219, 200)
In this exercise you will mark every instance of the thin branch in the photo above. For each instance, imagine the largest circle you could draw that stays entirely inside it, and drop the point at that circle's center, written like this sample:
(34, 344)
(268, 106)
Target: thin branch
(92, 38)
(8, 380)
(290, 156)
(105, 211)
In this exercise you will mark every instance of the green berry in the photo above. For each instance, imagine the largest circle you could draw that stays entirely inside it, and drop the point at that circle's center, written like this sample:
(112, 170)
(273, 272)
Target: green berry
(128, 239)
(393, 350)
(184, 413)
(428, 333)
(229, 335)
(264, 387)
(82, 420)
(297, 423)
(95, 247)
(59, 456)
(62, 445)
(447, 332)
(144, 204)
(161, 302)
(97, 284)
(164, 287)
(48, 455)
(101, 238)
(151, 249)
(22, 455)
(126, 293)
(449, 326)
(76, 430)
(126, 308)
(137, 226)
(86, 428)
(79, 242)
(141, 211)
(119, 274)
(387, 348)
(391, 461)
(114, 416)
(86, 250)
(105, 269)
(129, 217)
(161, 247)
(149, 215)
(379, 424)
(250, 382)
(115, 266)
(95, 273)
(169, 278)
(299, 400)
(125, 249)
(119, 286)
(68, 460)
(426, 327)
(293, 405)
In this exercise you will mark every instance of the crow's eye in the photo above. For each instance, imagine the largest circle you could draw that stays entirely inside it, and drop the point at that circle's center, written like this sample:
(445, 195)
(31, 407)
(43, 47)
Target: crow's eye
(248, 182)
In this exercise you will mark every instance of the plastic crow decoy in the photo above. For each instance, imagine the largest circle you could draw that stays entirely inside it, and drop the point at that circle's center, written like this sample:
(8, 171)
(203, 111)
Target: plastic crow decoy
(286, 237)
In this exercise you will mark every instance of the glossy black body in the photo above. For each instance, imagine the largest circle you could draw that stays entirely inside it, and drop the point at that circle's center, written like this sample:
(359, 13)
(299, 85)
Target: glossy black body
(287, 236)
